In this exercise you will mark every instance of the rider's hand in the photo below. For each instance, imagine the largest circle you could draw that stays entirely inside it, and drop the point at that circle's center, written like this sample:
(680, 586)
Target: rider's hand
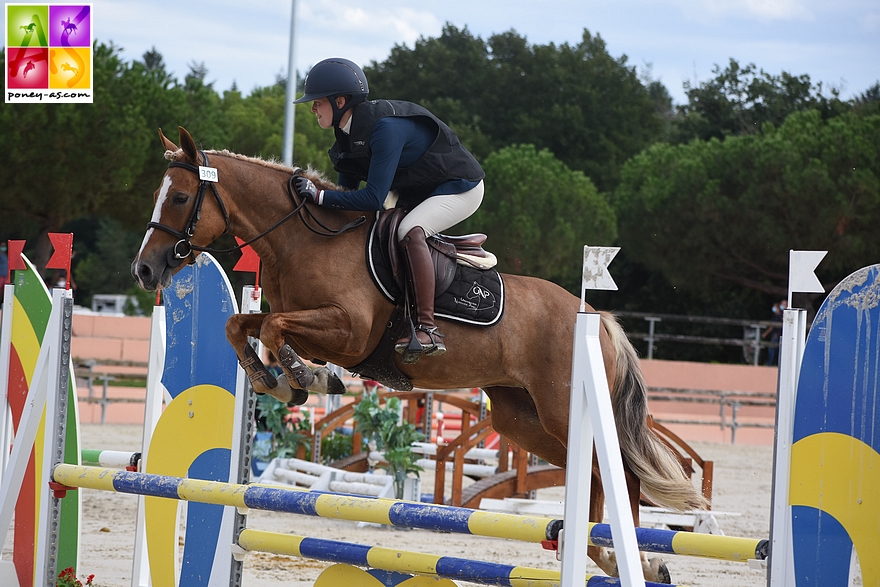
(306, 189)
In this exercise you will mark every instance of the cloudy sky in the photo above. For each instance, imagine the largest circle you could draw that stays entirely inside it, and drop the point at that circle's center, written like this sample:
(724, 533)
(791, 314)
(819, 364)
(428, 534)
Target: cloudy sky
(834, 42)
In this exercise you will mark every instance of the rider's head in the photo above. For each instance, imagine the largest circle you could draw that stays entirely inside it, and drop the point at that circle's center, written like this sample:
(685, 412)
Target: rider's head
(333, 78)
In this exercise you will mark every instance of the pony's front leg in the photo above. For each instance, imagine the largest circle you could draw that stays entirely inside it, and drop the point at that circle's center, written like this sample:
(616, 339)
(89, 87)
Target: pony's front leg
(319, 380)
(322, 332)
(238, 328)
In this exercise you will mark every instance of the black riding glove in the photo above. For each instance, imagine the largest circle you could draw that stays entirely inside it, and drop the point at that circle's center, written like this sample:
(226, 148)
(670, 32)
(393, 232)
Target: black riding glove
(306, 189)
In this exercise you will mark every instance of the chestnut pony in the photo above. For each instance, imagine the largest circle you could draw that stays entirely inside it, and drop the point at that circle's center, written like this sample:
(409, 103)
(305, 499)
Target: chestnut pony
(325, 307)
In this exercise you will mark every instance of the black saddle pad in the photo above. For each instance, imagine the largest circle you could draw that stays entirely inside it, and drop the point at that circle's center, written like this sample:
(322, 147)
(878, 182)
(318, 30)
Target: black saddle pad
(474, 296)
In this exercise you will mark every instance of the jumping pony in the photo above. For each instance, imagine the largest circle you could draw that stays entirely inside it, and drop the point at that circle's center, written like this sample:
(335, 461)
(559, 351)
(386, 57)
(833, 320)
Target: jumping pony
(326, 307)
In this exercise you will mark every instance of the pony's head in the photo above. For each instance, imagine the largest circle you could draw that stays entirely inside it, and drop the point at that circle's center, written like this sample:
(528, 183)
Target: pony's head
(188, 213)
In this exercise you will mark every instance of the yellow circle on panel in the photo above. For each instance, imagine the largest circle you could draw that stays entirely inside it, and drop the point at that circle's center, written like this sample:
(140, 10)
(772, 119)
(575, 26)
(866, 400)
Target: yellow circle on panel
(340, 574)
(190, 425)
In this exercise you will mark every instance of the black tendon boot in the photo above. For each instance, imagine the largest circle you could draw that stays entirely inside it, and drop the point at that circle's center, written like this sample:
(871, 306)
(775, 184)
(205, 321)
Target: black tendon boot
(421, 275)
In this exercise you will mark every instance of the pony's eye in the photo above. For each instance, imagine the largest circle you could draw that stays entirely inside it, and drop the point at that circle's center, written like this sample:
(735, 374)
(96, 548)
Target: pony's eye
(181, 198)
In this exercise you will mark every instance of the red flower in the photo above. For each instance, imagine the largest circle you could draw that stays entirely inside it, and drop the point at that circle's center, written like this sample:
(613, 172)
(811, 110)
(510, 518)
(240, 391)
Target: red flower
(67, 578)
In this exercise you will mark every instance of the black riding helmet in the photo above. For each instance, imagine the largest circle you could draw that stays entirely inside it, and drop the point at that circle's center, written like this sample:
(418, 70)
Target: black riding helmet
(336, 77)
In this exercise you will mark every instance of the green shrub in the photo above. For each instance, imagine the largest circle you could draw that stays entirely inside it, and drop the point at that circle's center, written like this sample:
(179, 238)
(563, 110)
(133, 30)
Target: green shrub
(382, 425)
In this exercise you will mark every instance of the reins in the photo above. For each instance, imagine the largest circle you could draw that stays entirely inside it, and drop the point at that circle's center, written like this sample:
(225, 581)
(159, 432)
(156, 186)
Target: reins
(329, 231)
(176, 257)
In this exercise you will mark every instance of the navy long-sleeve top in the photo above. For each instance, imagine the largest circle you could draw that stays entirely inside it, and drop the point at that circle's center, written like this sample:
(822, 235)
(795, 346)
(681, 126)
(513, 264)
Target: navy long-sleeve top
(394, 143)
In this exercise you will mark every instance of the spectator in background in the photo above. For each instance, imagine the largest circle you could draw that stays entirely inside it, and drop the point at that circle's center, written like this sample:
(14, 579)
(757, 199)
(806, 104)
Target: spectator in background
(774, 333)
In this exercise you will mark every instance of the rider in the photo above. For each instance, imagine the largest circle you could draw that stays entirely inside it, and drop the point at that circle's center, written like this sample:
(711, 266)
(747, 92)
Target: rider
(401, 146)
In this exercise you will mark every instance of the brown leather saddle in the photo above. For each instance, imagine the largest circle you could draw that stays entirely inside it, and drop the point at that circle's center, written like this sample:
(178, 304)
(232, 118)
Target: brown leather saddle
(446, 251)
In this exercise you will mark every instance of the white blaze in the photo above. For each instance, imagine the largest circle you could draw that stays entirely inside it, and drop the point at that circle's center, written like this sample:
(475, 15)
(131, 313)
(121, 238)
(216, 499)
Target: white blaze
(157, 210)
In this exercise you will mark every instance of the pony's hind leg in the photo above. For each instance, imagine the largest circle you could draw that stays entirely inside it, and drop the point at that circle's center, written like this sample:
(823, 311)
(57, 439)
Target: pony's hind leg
(514, 415)
(653, 569)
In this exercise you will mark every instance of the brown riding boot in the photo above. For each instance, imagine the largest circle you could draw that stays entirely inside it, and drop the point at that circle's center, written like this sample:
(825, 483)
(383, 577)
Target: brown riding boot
(421, 275)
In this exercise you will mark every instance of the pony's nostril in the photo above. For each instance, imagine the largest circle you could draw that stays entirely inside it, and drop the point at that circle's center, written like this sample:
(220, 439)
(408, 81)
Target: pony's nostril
(144, 273)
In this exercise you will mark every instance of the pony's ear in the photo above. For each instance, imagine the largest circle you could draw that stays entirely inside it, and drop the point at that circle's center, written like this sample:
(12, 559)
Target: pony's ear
(166, 143)
(188, 145)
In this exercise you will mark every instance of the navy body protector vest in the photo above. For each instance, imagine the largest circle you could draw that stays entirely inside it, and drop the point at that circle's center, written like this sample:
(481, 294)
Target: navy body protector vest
(445, 159)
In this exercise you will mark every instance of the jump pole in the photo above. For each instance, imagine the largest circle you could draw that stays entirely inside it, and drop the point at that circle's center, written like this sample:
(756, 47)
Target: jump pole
(591, 419)
(402, 561)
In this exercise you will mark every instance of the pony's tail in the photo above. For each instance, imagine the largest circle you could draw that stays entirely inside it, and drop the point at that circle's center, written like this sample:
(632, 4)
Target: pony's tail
(663, 480)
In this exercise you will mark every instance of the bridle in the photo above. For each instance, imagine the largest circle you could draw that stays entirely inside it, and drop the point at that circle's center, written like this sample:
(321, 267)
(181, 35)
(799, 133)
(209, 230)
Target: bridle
(184, 247)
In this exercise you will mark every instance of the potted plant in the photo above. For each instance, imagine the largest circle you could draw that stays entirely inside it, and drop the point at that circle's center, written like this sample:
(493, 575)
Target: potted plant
(280, 432)
(381, 426)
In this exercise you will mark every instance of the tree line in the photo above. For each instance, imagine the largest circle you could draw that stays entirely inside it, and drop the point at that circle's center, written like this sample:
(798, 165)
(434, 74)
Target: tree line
(579, 147)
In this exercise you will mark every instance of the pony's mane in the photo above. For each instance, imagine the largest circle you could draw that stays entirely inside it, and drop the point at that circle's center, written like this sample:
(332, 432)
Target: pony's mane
(313, 174)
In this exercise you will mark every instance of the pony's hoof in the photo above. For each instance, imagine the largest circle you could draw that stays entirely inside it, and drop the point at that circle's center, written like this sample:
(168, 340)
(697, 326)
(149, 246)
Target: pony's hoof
(335, 386)
(326, 381)
(298, 398)
(660, 570)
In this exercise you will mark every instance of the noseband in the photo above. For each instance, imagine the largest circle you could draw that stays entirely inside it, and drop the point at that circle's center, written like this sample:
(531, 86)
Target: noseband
(177, 255)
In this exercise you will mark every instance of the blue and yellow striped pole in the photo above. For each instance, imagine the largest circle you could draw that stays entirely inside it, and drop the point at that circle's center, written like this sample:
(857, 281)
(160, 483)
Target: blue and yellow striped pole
(415, 563)
(398, 513)
(728, 548)
(313, 503)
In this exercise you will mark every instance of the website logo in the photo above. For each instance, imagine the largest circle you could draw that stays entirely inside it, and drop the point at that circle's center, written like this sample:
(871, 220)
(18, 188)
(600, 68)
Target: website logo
(48, 53)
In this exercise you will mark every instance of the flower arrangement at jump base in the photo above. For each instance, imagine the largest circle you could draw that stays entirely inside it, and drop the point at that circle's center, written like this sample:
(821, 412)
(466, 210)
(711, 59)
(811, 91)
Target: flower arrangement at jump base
(67, 578)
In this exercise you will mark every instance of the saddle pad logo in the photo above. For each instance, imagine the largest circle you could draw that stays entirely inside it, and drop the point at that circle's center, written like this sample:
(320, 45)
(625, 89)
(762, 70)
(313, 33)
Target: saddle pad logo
(477, 299)
(48, 53)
